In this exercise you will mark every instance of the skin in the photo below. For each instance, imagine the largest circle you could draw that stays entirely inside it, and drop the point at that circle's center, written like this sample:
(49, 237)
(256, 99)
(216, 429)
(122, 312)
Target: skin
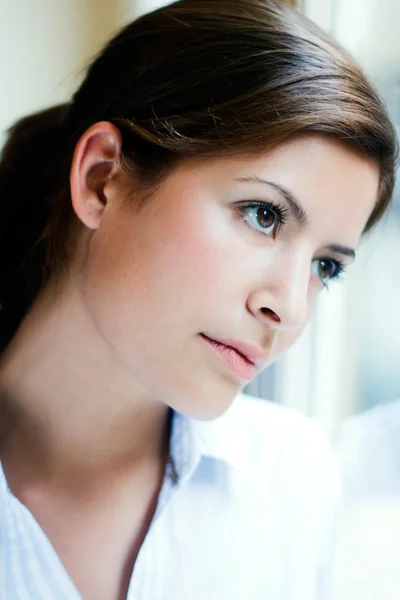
(102, 355)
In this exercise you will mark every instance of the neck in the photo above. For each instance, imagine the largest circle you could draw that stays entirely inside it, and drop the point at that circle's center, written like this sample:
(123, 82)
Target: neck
(79, 410)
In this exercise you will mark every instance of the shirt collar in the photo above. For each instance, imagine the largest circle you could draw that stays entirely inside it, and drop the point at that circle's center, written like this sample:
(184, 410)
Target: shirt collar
(220, 440)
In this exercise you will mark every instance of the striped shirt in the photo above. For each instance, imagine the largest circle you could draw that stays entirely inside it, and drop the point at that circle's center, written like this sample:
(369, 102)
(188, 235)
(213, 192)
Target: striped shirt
(244, 512)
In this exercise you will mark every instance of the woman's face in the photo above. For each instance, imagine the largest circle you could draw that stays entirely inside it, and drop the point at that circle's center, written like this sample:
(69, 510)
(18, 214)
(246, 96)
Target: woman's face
(233, 251)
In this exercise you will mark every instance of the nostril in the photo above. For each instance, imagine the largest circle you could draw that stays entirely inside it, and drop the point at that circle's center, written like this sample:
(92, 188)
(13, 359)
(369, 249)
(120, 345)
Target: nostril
(271, 314)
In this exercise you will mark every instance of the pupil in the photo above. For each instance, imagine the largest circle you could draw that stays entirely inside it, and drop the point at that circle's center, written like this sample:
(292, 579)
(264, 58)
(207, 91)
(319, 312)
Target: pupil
(265, 217)
(325, 269)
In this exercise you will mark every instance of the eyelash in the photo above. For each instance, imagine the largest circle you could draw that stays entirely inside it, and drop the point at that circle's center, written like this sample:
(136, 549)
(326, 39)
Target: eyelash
(280, 216)
(278, 210)
(340, 269)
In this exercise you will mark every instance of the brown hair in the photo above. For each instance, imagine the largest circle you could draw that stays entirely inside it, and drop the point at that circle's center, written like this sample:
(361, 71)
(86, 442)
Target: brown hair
(198, 77)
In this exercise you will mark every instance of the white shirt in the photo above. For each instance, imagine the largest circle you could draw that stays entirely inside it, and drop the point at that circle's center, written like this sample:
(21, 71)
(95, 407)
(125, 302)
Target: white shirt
(244, 513)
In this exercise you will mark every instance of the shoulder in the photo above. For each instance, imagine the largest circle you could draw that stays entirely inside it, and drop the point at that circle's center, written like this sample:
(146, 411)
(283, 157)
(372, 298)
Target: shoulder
(263, 439)
(381, 423)
(262, 417)
(267, 427)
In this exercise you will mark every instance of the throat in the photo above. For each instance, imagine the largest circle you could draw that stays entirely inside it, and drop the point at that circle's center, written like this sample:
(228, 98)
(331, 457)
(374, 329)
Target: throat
(120, 512)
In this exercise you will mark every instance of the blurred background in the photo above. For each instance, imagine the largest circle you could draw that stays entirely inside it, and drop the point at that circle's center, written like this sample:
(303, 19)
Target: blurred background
(346, 363)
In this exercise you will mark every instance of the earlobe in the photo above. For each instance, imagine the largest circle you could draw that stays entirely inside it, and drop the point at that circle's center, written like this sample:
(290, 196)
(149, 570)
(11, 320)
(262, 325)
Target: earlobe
(95, 162)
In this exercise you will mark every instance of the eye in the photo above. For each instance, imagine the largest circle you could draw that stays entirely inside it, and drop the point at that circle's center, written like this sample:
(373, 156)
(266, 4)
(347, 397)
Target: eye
(266, 218)
(327, 269)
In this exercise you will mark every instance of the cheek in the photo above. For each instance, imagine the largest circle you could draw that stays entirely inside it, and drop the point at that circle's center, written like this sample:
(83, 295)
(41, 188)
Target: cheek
(196, 247)
(152, 275)
(285, 339)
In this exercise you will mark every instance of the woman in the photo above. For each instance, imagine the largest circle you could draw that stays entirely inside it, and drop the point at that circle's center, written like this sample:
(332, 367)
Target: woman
(164, 238)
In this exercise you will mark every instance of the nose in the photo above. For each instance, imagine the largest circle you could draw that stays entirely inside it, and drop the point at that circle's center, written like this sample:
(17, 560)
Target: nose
(282, 300)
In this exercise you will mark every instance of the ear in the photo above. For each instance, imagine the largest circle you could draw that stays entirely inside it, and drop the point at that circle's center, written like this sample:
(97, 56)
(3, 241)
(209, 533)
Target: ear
(94, 163)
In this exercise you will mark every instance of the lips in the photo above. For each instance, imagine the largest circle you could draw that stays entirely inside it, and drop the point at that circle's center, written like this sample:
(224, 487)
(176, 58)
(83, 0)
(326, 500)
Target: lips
(240, 358)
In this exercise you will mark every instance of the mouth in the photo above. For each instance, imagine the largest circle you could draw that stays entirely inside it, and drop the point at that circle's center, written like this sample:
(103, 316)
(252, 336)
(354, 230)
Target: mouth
(243, 362)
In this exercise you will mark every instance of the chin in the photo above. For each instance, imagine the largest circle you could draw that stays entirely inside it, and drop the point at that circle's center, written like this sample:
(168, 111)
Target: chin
(205, 402)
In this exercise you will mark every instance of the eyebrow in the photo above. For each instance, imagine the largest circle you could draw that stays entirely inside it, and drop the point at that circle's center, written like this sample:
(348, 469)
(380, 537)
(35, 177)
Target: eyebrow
(297, 211)
(339, 249)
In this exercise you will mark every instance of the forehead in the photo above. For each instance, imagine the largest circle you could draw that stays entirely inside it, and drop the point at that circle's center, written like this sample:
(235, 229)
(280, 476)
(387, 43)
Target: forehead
(330, 179)
(333, 182)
